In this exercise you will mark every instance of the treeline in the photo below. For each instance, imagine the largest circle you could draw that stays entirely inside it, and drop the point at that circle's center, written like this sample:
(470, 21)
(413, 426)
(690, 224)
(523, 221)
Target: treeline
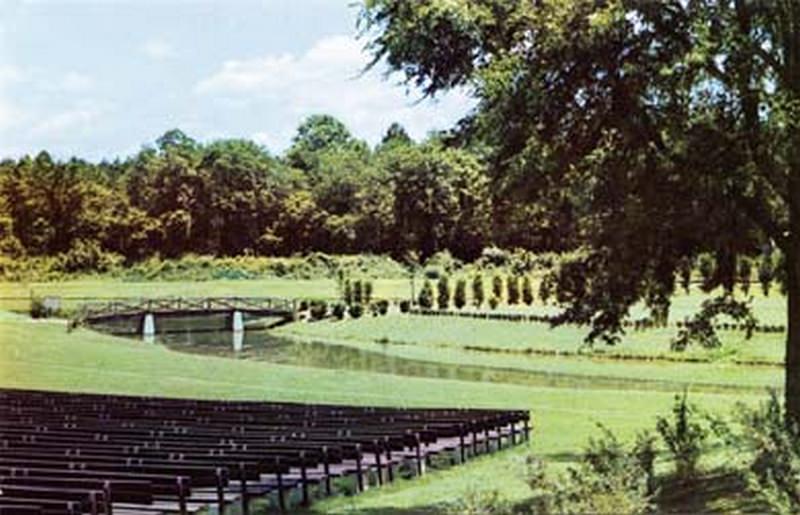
(329, 192)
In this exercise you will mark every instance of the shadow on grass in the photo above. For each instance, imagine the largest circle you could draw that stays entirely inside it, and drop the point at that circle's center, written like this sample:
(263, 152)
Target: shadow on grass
(720, 492)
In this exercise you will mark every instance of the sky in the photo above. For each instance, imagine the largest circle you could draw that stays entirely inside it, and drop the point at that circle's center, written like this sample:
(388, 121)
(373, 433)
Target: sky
(101, 78)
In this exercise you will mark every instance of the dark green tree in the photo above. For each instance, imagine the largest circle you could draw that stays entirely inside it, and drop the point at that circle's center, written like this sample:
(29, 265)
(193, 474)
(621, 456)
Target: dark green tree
(443, 293)
(497, 287)
(512, 286)
(527, 290)
(425, 299)
(666, 129)
(460, 293)
(477, 291)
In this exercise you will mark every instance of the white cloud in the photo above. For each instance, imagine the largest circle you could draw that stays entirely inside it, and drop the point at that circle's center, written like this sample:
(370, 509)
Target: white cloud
(262, 138)
(10, 74)
(159, 49)
(70, 82)
(329, 78)
(66, 121)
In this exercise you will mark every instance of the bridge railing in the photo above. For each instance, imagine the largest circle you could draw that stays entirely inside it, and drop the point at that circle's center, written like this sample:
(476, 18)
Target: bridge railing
(131, 306)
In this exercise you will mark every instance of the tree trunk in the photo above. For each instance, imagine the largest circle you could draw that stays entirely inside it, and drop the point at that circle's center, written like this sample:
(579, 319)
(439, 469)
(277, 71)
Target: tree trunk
(792, 255)
(792, 369)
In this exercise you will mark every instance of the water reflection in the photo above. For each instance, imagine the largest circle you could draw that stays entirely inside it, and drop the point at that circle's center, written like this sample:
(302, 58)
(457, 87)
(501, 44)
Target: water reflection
(264, 346)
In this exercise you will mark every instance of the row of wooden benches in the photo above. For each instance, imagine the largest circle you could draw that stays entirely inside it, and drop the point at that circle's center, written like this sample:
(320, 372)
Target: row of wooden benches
(68, 453)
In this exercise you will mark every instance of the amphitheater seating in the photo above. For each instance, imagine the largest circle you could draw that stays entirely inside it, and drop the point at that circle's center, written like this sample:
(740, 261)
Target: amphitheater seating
(69, 453)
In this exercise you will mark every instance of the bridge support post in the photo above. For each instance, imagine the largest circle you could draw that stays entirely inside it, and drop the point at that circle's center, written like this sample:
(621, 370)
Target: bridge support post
(237, 322)
(149, 326)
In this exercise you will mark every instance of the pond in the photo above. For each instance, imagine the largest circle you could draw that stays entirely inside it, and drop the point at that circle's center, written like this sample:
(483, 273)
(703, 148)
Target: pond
(263, 345)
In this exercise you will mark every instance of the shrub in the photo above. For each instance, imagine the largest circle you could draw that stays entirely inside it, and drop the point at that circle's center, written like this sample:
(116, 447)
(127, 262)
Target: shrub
(339, 309)
(684, 436)
(460, 294)
(443, 293)
(356, 310)
(497, 287)
(348, 292)
(494, 302)
(493, 256)
(608, 479)
(477, 291)
(358, 292)
(367, 292)
(405, 306)
(773, 474)
(38, 309)
(477, 501)
(443, 262)
(766, 272)
(303, 305)
(318, 309)
(383, 306)
(706, 265)
(744, 272)
(512, 284)
(426, 295)
(527, 291)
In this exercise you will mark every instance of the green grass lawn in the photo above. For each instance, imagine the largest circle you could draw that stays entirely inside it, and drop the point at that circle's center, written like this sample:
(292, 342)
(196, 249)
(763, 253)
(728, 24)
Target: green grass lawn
(518, 337)
(42, 355)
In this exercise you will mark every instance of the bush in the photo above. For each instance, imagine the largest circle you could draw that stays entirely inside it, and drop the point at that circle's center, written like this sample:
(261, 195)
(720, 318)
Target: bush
(358, 292)
(318, 309)
(608, 479)
(339, 309)
(684, 437)
(497, 287)
(476, 501)
(38, 309)
(348, 292)
(477, 291)
(460, 294)
(774, 472)
(356, 310)
(426, 295)
(443, 293)
(405, 306)
(493, 256)
(383, 306)
(494, 302)
(706, 265)
(367, 292)
(766, 272)
(527, 291)
(512, 284)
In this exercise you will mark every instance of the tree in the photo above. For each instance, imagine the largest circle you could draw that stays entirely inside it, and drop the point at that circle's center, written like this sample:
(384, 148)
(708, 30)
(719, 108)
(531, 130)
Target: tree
(443, 293)
(395, 135)
(497, 287)
(460, 293)
(477, 291)
(426, 295)
(440, 199)
(527, 290)
(512, 285)
(667, 129)
(317, 134)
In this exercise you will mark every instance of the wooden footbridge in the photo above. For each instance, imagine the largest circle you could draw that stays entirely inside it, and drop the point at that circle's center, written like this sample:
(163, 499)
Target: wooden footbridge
(146, 310)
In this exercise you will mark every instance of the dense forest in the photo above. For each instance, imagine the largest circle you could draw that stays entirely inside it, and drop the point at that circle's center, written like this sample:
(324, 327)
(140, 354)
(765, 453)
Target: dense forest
(328, 192)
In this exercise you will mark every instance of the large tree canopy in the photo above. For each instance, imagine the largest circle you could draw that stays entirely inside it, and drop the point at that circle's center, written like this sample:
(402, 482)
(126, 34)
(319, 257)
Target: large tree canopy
(664, 128)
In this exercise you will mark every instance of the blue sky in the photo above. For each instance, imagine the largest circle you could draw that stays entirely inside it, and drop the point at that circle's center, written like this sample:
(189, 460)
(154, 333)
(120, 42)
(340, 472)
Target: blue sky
(101, 78)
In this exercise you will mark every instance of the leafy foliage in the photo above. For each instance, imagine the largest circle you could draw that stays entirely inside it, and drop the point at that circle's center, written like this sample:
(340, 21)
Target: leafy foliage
(684, 436)
(608, 479)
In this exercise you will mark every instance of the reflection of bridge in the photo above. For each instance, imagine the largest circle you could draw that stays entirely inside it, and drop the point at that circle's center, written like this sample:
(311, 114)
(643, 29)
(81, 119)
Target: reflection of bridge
(146, 310)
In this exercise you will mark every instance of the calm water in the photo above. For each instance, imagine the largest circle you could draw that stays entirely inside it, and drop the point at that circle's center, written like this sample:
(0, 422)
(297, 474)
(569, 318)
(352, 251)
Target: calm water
(261, 345)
